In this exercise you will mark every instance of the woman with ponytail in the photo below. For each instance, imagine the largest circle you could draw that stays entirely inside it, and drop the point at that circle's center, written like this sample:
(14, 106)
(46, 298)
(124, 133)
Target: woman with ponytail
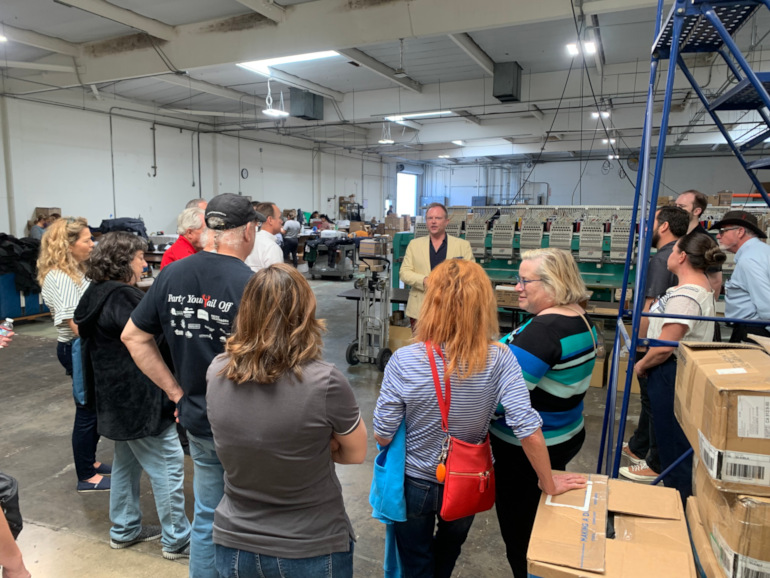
(692, 256)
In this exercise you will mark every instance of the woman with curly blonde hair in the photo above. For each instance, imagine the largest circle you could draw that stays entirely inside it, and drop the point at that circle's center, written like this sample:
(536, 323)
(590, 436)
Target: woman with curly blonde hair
(459, 316)
(64, 250)
(272, 401)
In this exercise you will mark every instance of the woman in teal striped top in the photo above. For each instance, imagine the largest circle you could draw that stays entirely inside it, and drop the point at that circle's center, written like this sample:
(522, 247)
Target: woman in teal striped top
(556, 350)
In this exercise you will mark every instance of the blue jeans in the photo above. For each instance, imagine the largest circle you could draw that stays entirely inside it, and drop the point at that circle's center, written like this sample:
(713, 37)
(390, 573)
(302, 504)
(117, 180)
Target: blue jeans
(162, 458)
(422, 553)
(672, 442)
(209, 487)
(84, 434)
(233, 563)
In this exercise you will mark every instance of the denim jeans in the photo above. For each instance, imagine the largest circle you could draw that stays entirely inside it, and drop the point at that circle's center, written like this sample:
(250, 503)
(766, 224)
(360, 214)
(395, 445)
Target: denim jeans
(290, 249)
(208, 487)
(162, 458)
(673, 443)
(643, 443)
(232, 563)
(423, 554)
(84, 434)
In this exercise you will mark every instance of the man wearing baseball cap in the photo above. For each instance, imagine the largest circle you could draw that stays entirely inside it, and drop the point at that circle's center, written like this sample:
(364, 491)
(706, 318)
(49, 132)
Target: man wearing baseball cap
(747, 291)
(193, 304)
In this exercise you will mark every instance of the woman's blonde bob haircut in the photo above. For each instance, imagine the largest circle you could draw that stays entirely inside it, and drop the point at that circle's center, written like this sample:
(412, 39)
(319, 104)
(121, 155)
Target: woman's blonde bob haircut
(276, 330)
(559, 273)
(460, 313)
(55, 250)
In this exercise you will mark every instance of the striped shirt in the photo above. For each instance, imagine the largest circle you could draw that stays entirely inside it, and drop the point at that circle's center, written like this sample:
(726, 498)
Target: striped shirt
(556, 354)
(407, 392)
(62, 295)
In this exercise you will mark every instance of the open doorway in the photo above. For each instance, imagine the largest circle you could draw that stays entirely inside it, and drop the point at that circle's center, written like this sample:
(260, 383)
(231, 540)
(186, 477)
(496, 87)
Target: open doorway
(406, 194)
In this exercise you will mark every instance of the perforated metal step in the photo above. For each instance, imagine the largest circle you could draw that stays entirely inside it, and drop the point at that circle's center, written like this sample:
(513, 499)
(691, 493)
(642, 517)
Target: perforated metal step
(743, 96)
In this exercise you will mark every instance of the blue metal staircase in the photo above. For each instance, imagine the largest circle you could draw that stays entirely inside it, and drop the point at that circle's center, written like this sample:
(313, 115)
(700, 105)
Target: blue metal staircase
(692, 26)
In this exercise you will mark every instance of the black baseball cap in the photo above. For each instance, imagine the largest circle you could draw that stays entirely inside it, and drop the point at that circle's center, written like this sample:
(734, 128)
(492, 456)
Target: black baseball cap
(233, 211)
(741, 219)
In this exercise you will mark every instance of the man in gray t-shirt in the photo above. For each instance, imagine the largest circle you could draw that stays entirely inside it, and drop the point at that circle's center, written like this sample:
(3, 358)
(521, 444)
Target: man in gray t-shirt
(292, 229)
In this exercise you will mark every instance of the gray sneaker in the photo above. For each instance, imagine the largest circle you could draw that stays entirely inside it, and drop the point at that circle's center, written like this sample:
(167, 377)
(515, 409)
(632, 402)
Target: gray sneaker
(183, 552)
(146, 534)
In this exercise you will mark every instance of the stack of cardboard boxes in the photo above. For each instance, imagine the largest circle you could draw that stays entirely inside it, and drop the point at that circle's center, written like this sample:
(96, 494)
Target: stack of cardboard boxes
(723, 405)
(395, 224)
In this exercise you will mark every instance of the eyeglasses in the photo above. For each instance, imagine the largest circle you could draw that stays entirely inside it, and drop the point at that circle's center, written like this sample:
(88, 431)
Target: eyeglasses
(524, 282)
(723, 231)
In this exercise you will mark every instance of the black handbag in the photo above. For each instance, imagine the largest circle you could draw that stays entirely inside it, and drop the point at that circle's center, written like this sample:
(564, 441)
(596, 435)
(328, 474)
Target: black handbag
(9, 500)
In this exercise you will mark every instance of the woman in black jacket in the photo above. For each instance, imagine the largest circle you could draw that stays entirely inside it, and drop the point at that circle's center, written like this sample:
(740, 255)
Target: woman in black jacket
(131, 409)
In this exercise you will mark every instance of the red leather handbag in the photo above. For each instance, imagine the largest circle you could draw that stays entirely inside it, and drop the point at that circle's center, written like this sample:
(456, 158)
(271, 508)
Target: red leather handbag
(465, 468)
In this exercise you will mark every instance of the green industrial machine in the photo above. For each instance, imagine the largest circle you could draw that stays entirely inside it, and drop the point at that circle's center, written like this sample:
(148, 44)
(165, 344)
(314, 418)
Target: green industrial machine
(601, 277)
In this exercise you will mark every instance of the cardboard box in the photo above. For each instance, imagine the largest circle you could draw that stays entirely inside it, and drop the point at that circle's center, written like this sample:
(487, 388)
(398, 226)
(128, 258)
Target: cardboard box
(725, 198)
(45, 211)
(647, 535)
(378, 246)
(664, 201)
(705, 560)
(713, 200)
(394, 222)
(723, 405)
(506, 296)
(399, 337)
(738, 527)
(599, 374)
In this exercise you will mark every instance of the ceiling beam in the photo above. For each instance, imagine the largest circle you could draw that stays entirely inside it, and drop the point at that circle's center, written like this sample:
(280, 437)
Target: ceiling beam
(31, 38)
(207, 87)
(267, 9)
(473, 50)
(315, 26)
(36, 66)
(378, 67)
(298, 82)
(123, 16)
(468, 116)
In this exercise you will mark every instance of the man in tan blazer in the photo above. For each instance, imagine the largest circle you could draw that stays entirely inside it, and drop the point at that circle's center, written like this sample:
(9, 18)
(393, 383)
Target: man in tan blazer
(425, 253)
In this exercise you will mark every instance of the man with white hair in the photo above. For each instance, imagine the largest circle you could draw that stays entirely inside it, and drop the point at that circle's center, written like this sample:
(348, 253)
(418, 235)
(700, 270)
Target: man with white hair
(190, 228)
(197, 204)
(193, 303)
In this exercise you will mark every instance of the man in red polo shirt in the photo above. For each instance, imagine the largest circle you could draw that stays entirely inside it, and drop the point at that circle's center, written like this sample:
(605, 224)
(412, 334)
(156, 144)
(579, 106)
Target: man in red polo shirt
(190, 227)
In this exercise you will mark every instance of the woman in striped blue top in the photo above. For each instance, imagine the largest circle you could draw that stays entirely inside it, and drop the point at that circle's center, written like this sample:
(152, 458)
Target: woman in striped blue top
(64, 250)
(556, 350)
(459, 313)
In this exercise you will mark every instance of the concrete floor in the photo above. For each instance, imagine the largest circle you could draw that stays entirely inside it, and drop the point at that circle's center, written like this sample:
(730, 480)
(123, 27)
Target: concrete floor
(66, 533)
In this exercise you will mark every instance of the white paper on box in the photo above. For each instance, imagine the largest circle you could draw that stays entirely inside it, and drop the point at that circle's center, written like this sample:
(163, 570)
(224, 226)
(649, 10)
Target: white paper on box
(746, 468)
(754, 416)
(752, 568)
(708, 455)
(730, 371)
(723, 552)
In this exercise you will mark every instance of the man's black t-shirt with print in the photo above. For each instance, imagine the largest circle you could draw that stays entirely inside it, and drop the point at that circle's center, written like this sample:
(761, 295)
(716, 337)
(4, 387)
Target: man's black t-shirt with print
(193, 302)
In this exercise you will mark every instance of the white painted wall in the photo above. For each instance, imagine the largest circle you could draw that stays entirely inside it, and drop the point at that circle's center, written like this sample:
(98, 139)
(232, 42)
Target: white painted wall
(459, 184)
(62, 158)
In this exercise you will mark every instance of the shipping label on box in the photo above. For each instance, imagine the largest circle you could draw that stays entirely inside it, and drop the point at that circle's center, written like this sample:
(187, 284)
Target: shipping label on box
(738, 527)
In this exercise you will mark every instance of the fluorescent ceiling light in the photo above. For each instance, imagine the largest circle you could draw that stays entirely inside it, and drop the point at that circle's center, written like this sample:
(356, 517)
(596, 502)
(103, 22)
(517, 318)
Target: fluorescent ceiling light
(460, 143)
(443, 156)
(589, 47)
(263, 66)
(608, 141)
(386, 141)
(613, 157)
(275, 112)
(572, 49)
(3, 38)
(604, 113)
(400, 117)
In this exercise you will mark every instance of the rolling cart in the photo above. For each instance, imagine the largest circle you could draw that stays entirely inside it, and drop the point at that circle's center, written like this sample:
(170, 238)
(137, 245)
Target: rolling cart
(371, 343)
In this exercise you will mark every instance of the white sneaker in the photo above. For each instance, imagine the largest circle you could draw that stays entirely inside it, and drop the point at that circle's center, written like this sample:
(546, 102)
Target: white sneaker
(639, 473)
(632, 457)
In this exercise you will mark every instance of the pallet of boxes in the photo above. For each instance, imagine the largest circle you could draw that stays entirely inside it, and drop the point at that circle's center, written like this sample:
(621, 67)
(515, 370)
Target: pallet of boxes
(723, 405)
